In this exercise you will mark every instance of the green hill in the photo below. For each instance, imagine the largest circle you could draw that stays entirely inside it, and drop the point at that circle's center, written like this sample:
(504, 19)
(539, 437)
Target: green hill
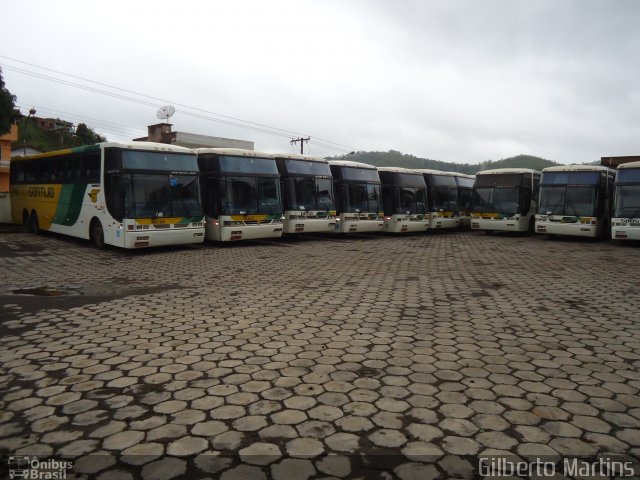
(31, 135)
(393, 158)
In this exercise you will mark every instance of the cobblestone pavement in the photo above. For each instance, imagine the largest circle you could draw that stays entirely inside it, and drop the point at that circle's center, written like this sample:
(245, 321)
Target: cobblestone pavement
(370, 357)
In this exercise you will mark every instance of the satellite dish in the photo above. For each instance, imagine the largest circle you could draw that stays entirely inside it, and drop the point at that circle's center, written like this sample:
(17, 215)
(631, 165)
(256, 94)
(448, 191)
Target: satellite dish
(165, 112)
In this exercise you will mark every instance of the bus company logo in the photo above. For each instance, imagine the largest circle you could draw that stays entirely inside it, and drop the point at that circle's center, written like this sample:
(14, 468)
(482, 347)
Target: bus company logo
(41, 192)
(93, 194)
(32, 468)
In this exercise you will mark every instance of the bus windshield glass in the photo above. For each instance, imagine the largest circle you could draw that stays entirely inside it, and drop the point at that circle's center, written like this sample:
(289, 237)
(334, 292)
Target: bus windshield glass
(503, 200)
(154, 195)
(413, 200)
(627, 201)
(260, 166)
(570, 178)
(360, 174)
(302, 167)
(362, 197)
(173, 162)
(250, 195)
(444, 199)
(309, 193)
(574, 200)
(631, 175)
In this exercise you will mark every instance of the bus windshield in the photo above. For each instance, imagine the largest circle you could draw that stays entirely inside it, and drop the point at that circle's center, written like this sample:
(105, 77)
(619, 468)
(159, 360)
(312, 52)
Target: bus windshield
(465, 198)
(309, 193)
(503, 200)
(627, 201)
(249, 195)
(444, 199)
(572, 200)
(362, 197)
(412, 200)
(144, 160)
(156, 195)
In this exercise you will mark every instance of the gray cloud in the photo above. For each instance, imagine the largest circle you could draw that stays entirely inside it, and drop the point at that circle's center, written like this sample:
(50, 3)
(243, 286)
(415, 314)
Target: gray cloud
(456, 80)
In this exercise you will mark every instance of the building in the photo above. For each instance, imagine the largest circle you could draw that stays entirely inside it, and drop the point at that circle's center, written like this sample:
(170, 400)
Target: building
(613, 162)
(5, 158)
(162, 133)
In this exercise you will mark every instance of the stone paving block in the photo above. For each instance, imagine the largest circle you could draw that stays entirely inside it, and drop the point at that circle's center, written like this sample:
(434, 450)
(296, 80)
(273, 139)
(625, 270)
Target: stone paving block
(317, 357)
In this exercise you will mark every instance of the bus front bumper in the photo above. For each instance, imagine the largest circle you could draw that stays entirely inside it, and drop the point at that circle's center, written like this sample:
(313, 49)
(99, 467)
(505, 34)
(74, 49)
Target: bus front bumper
(625, 232)
(394, 225)
(444, 222)
(159, 238)
(316, 225)
(242, 232)
(501, 225)
(359, 226)
(569, 229)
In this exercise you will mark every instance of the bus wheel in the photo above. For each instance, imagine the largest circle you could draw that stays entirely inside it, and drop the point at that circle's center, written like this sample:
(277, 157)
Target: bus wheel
(97, 234)
(25, 218)
(34, 226)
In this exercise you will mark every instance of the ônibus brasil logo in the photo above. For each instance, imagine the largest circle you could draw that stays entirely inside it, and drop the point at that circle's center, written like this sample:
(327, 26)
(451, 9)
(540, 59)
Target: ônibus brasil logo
(34, 469)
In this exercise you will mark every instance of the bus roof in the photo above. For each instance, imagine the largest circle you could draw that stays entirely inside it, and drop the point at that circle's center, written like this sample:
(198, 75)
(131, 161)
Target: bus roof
(297, 156)
(235, 152)
(434, 172)
(398, 170)
(499, 171)
(629, 165)
(578, 168)
(347, 163)
(165, 147)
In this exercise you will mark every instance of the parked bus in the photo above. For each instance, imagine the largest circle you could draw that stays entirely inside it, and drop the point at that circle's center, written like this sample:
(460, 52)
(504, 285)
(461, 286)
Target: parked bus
(404, 200)
(307, 194)
(442, 195)
(625, 224)
(130, 195)
(505, 199)
(358, 197)
(240, 194)
(465, 197)
(575, 200)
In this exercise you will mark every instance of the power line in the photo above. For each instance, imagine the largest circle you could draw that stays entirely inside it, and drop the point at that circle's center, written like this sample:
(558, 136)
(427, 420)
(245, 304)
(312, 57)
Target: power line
(271, 129)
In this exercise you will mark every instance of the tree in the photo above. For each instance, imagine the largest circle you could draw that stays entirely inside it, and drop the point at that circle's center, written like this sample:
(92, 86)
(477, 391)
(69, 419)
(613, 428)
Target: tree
(7, 107)
(87, 135)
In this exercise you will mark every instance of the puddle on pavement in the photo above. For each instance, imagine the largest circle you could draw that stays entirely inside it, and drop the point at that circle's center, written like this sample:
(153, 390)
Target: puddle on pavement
(74, 291)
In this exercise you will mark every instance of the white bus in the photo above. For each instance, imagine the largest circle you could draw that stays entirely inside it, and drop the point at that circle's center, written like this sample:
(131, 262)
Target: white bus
(240, 194)
(505, 199)
(307, 194)
(129, 195)
(625, 224)
(465, 197)
(358, 197)
(404, 200)
(442, 195)
(575, 200)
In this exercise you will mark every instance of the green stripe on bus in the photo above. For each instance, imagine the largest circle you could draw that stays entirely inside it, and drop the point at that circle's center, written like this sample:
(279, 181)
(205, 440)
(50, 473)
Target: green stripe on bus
(70, 203)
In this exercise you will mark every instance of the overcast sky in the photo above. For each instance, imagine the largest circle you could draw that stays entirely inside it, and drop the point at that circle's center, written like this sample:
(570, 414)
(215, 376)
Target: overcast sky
(461, 81)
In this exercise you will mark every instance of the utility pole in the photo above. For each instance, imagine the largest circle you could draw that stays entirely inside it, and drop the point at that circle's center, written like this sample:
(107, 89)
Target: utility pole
(301, 140)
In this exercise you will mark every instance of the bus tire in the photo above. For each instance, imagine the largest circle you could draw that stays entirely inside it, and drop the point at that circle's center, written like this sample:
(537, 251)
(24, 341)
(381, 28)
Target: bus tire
(96, 234)
(34, 225)
(25, 218)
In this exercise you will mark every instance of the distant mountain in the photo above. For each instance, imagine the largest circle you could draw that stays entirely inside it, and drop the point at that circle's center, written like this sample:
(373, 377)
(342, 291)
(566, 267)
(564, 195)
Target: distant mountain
(393, 158)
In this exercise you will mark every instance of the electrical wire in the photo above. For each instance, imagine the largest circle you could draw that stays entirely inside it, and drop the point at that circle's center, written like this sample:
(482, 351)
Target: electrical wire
(245, 123)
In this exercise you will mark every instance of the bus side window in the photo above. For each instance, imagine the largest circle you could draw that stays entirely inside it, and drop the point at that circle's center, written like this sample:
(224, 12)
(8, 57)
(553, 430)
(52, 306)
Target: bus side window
(42, 172)
(91, 164)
